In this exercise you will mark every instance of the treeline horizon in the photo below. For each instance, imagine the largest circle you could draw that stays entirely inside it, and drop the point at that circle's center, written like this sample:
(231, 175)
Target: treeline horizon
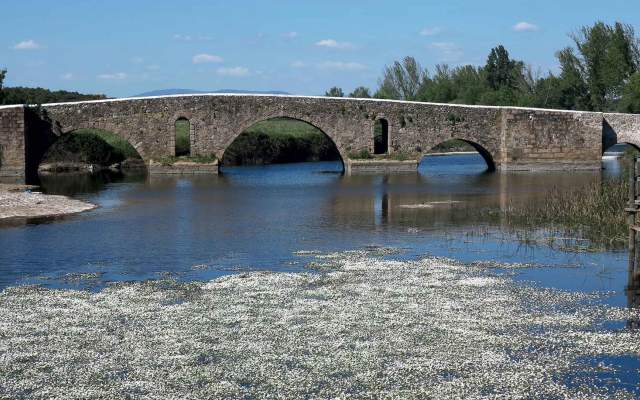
(600, 72)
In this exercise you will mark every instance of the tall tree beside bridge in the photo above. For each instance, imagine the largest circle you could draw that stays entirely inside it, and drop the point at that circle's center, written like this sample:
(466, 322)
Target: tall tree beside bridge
(3, 73)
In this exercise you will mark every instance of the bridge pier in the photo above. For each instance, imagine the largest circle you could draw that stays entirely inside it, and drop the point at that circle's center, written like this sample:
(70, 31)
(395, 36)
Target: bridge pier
(366, 167)
(183, 168)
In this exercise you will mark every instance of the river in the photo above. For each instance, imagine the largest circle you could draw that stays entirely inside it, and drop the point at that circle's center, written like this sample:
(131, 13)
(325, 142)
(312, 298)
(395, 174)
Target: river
(277, 217)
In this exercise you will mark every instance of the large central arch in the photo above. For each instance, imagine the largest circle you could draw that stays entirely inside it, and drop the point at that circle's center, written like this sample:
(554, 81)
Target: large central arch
(332, 136)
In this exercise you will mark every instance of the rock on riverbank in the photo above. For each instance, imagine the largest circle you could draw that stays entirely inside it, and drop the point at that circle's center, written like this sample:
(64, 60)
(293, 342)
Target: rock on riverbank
(16, 201)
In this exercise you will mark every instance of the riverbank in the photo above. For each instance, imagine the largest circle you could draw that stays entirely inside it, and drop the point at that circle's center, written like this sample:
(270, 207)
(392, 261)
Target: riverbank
(18, 201)
(360, 325)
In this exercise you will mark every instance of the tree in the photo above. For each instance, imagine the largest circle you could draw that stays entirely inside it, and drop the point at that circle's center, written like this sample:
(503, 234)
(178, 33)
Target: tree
(334, 92)
(402, 80)
(3, 73)
(630, 102)
(607, 58)
(500, 70)
(361, 92)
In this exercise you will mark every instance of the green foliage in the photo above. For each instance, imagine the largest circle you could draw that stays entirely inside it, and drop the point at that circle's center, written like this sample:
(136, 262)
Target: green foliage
(630, 102)
(402, 80)
(363, 154)
(22, 95)
(597, 74)
(183, 141)
(607, 57)
(3, 73)
(280, 140)
(334, 92)
(361, 92)
(90, 146)
(592, 212)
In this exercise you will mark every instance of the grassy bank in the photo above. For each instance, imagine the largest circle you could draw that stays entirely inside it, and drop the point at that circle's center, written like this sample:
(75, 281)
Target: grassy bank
(90, 146)
(280, 140)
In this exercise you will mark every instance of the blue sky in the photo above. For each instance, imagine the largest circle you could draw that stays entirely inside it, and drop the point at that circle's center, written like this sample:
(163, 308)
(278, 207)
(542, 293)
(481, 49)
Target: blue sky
(123, 48)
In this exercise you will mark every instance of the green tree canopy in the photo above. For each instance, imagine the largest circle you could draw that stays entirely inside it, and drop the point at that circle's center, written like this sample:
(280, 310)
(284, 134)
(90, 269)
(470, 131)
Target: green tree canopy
(402, 80)
(630, 102)
(360, 92)
(3, 73)
(607, 56)
(334, 92)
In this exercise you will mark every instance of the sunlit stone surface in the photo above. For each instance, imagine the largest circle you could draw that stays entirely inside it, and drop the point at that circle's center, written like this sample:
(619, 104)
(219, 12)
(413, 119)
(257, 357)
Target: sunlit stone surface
(362, 326)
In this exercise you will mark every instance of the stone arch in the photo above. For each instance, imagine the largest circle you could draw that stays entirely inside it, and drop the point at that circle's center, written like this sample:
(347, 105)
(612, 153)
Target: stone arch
(480, 148)
(330, 133)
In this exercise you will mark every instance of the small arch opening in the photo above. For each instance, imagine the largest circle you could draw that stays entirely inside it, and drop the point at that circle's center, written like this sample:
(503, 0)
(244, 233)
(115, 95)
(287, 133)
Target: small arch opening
(182, 137)
(381, 136)
(281, 140)
(460, 154)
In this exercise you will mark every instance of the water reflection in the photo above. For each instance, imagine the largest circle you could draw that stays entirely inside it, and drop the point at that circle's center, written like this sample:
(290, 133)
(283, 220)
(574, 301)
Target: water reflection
(258, 217)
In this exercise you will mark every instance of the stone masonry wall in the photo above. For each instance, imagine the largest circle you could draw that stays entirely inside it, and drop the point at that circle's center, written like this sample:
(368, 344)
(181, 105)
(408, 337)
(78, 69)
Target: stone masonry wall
(625, 128)
(512, 138)
(551, 139)
(12, 146)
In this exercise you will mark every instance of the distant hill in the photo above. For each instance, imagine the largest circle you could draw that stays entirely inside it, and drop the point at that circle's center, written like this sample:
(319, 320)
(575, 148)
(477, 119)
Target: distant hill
(167, 92)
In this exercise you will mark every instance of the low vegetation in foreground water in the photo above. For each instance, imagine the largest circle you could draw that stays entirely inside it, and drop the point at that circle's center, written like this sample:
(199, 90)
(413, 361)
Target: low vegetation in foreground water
(360, 327)
(594, 213)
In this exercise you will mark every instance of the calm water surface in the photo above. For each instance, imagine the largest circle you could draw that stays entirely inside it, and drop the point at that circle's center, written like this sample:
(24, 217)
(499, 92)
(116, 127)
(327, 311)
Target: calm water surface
(252, 218)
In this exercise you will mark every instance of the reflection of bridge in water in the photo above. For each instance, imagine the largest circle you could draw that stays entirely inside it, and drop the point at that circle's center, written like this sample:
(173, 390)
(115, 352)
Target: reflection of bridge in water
(415, 200)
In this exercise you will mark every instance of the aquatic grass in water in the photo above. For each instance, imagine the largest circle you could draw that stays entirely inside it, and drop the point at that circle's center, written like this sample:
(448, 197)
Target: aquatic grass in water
(366, 327)
(594, 212)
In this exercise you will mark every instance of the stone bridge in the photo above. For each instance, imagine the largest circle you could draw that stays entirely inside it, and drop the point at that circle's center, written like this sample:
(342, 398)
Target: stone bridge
(508, 138)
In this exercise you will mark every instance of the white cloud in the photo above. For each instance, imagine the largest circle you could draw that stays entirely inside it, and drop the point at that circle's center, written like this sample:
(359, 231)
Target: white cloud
(525, 27)
(449, 52)
(67, 77)
(333, 44)
(190, 38)
(118, 76)
(152, 67)
(342, 66)
(206, 58)
(27, 45)
(298, 64)
(233, 71)
(290, 35)
(137, 60)
(432, 31)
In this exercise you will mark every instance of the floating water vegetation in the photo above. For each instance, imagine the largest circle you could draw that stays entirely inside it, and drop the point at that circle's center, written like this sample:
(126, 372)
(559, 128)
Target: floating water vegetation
(365, 327)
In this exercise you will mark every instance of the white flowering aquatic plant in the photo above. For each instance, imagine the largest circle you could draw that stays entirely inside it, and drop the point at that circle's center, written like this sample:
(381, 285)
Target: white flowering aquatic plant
(363, 327)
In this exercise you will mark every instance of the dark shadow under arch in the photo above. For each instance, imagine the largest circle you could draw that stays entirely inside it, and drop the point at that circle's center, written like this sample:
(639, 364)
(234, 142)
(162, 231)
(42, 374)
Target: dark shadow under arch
(88, 146)
(381, 136)
(254, 127)
(486, 155)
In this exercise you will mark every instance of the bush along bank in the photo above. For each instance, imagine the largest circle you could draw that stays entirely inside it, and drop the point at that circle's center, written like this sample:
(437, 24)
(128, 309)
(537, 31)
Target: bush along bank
(90, 150)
